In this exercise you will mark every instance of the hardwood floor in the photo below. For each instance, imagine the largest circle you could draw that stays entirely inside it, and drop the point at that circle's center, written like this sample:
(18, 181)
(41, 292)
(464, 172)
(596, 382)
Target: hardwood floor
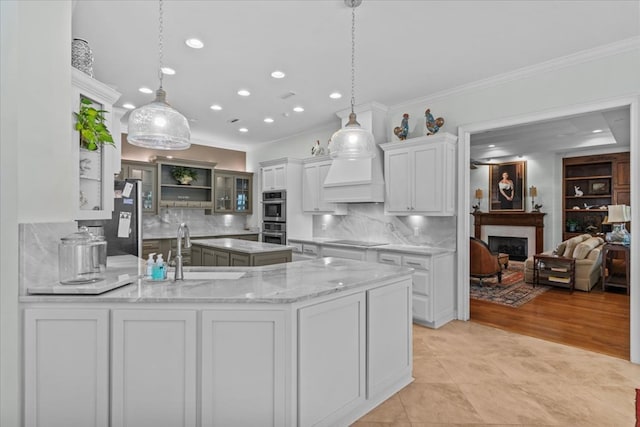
(596, 321)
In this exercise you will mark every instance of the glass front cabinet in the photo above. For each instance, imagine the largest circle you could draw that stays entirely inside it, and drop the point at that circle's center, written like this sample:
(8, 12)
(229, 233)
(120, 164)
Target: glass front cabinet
(96, 168)
(233, 191)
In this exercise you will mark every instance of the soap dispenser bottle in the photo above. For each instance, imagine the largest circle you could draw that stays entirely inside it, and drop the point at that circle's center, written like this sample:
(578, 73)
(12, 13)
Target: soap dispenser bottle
(150, 262)
(160, 270)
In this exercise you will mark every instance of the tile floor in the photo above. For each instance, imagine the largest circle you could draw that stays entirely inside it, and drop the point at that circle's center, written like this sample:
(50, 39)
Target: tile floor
(467, 374)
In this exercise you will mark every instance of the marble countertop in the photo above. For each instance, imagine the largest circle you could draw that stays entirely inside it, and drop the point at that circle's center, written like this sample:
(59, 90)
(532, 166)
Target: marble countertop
(419, 250)
(171, 233)
(238, 245)
(276, 284)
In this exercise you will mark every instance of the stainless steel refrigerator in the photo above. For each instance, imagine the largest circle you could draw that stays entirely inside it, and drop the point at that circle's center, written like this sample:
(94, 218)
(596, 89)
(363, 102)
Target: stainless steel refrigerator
(123, 232)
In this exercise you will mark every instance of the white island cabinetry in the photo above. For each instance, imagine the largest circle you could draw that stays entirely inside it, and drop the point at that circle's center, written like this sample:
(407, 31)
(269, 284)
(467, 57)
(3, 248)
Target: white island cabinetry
(420, 176)
(318, 342)
(66, 367)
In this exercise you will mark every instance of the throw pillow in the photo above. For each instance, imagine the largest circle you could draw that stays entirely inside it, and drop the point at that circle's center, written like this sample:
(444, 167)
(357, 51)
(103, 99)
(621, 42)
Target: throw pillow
(560, 248)
(582, 249)
(572, 243)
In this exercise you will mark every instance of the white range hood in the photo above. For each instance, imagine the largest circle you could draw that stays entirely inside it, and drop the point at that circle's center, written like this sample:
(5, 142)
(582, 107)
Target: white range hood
(359, 180)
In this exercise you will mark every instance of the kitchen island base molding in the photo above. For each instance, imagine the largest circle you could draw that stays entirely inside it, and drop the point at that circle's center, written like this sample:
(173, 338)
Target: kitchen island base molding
(324, 361)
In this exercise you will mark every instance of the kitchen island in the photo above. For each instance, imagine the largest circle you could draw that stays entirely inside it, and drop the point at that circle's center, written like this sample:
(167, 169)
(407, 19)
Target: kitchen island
(236, 252)
(318, 342)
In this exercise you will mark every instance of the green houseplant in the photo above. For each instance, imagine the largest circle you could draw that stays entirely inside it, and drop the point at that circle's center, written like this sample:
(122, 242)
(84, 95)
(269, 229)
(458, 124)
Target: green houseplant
(184, 175)
(90, 123)
(572, 224)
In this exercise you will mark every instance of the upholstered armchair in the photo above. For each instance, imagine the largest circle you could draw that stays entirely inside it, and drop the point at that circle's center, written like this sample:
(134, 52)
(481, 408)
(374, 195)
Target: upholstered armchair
(483, 262)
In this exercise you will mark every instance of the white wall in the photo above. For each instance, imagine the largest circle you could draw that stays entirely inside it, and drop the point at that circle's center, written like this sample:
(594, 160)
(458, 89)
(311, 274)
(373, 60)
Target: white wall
(34, 154)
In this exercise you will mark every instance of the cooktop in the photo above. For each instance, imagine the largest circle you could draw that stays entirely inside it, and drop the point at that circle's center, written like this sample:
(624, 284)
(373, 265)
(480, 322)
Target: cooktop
(357, 243)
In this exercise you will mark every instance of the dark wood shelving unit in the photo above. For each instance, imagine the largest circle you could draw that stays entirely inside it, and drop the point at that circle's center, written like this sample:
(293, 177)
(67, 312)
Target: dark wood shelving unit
(604, 180)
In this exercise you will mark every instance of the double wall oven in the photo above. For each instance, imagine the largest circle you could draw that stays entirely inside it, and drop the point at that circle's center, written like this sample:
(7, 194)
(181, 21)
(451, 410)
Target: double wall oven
(274, 217)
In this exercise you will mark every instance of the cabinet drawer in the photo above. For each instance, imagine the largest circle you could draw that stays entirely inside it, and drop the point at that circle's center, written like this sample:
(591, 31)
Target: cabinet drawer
(166, 203)
(423, 263)
(389, 258)
(310, 249)
(180, 203)
(421, 308)
(422, 283)
(195, 204)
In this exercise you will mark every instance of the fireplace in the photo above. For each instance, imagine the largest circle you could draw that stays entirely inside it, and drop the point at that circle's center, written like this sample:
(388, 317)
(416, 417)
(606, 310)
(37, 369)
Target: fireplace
(516, 247)
(528, 225)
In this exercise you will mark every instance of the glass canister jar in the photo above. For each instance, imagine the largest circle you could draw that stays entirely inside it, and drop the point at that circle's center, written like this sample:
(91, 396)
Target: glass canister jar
(82, 258)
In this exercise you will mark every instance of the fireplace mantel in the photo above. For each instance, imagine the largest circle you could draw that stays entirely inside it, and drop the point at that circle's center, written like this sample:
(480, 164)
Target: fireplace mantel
(513, 219)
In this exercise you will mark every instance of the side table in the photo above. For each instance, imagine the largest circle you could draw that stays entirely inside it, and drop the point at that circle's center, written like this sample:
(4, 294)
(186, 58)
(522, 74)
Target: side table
(608, 278)
(554, 270)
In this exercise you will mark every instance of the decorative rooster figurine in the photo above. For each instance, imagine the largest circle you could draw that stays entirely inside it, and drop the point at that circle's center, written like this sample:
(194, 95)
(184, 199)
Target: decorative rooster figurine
(433, 125)
(403, 130)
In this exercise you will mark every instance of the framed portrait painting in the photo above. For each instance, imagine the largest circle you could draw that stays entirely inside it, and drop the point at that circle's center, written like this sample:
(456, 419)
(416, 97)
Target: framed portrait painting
(507, 186)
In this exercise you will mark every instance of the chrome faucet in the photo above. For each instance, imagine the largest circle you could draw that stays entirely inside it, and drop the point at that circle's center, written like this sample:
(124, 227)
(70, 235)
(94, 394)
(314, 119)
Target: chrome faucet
(183, 232)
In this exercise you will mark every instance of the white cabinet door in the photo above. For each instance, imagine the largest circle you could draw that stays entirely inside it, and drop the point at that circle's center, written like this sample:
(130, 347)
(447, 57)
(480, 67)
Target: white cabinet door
(420, 176)
(153, 368)
(348, 253)
(331, 360)
(66, 367)
(310, 188)
(389, 347)
(427, 179)
(398, 182)
(243, 368)
(274, 177)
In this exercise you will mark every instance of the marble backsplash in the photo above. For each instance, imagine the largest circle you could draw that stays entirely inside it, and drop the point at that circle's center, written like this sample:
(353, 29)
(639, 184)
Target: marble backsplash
(166, 223)
(367, 221)
(38, 257)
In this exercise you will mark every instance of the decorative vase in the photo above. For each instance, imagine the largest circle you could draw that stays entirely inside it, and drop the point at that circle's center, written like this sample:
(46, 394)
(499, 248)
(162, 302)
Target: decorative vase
(185, 180)
(82, 56)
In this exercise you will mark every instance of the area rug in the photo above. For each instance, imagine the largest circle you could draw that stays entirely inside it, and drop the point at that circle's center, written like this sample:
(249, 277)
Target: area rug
(512, 292)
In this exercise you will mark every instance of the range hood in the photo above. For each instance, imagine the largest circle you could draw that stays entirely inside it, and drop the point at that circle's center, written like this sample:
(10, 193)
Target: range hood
(359, 180)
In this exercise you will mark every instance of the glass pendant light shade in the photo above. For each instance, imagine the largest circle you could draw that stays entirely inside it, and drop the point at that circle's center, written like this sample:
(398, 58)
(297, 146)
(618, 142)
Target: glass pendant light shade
(159, 126)
(353, 142)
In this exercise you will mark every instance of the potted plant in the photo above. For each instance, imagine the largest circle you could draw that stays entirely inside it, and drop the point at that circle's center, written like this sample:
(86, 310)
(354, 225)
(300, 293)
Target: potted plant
(184, 175)
(90, 123)
(572, 224)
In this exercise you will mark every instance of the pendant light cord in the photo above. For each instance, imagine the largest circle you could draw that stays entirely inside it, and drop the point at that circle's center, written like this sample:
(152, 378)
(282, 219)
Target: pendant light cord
(353, 57)
(160, 44)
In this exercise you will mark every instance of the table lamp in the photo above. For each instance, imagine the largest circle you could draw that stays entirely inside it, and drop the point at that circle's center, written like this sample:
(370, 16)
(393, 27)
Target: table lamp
(476, 208)
(619, 215)
(533, 193)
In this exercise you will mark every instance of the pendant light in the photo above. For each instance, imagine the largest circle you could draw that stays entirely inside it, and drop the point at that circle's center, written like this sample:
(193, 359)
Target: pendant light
(352, 141)
(157, 125)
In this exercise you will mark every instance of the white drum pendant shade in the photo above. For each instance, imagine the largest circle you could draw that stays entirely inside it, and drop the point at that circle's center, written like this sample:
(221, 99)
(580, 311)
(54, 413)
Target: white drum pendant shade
(159, 126)
(353, 142)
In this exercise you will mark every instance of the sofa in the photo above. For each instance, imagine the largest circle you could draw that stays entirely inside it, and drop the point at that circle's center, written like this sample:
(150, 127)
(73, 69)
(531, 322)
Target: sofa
(586, 250)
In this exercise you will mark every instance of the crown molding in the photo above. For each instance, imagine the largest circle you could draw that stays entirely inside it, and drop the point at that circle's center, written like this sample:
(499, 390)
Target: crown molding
(577, 58)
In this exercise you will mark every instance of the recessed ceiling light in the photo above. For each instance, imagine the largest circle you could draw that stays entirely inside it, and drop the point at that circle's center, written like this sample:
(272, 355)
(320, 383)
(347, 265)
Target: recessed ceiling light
(243, 130)
(144, 89)
(244, 92)
(596, 131)
(169, 157)
(216, 107)
(492, 145)
(335, 95)
(268, 120)
(168, 71)
(278, 74)
(194, 43)
(129, 106)
(298, 109)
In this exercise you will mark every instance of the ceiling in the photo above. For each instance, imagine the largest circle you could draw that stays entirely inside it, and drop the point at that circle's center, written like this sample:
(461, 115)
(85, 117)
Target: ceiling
(607, 128)
(404, 50)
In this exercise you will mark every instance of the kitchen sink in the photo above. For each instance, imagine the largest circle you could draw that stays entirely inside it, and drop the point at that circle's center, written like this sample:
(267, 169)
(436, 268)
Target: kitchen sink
(357, 243)
(210, 275)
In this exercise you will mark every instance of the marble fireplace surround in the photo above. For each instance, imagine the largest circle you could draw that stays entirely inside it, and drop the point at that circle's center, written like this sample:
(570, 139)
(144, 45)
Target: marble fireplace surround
(529, 225)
